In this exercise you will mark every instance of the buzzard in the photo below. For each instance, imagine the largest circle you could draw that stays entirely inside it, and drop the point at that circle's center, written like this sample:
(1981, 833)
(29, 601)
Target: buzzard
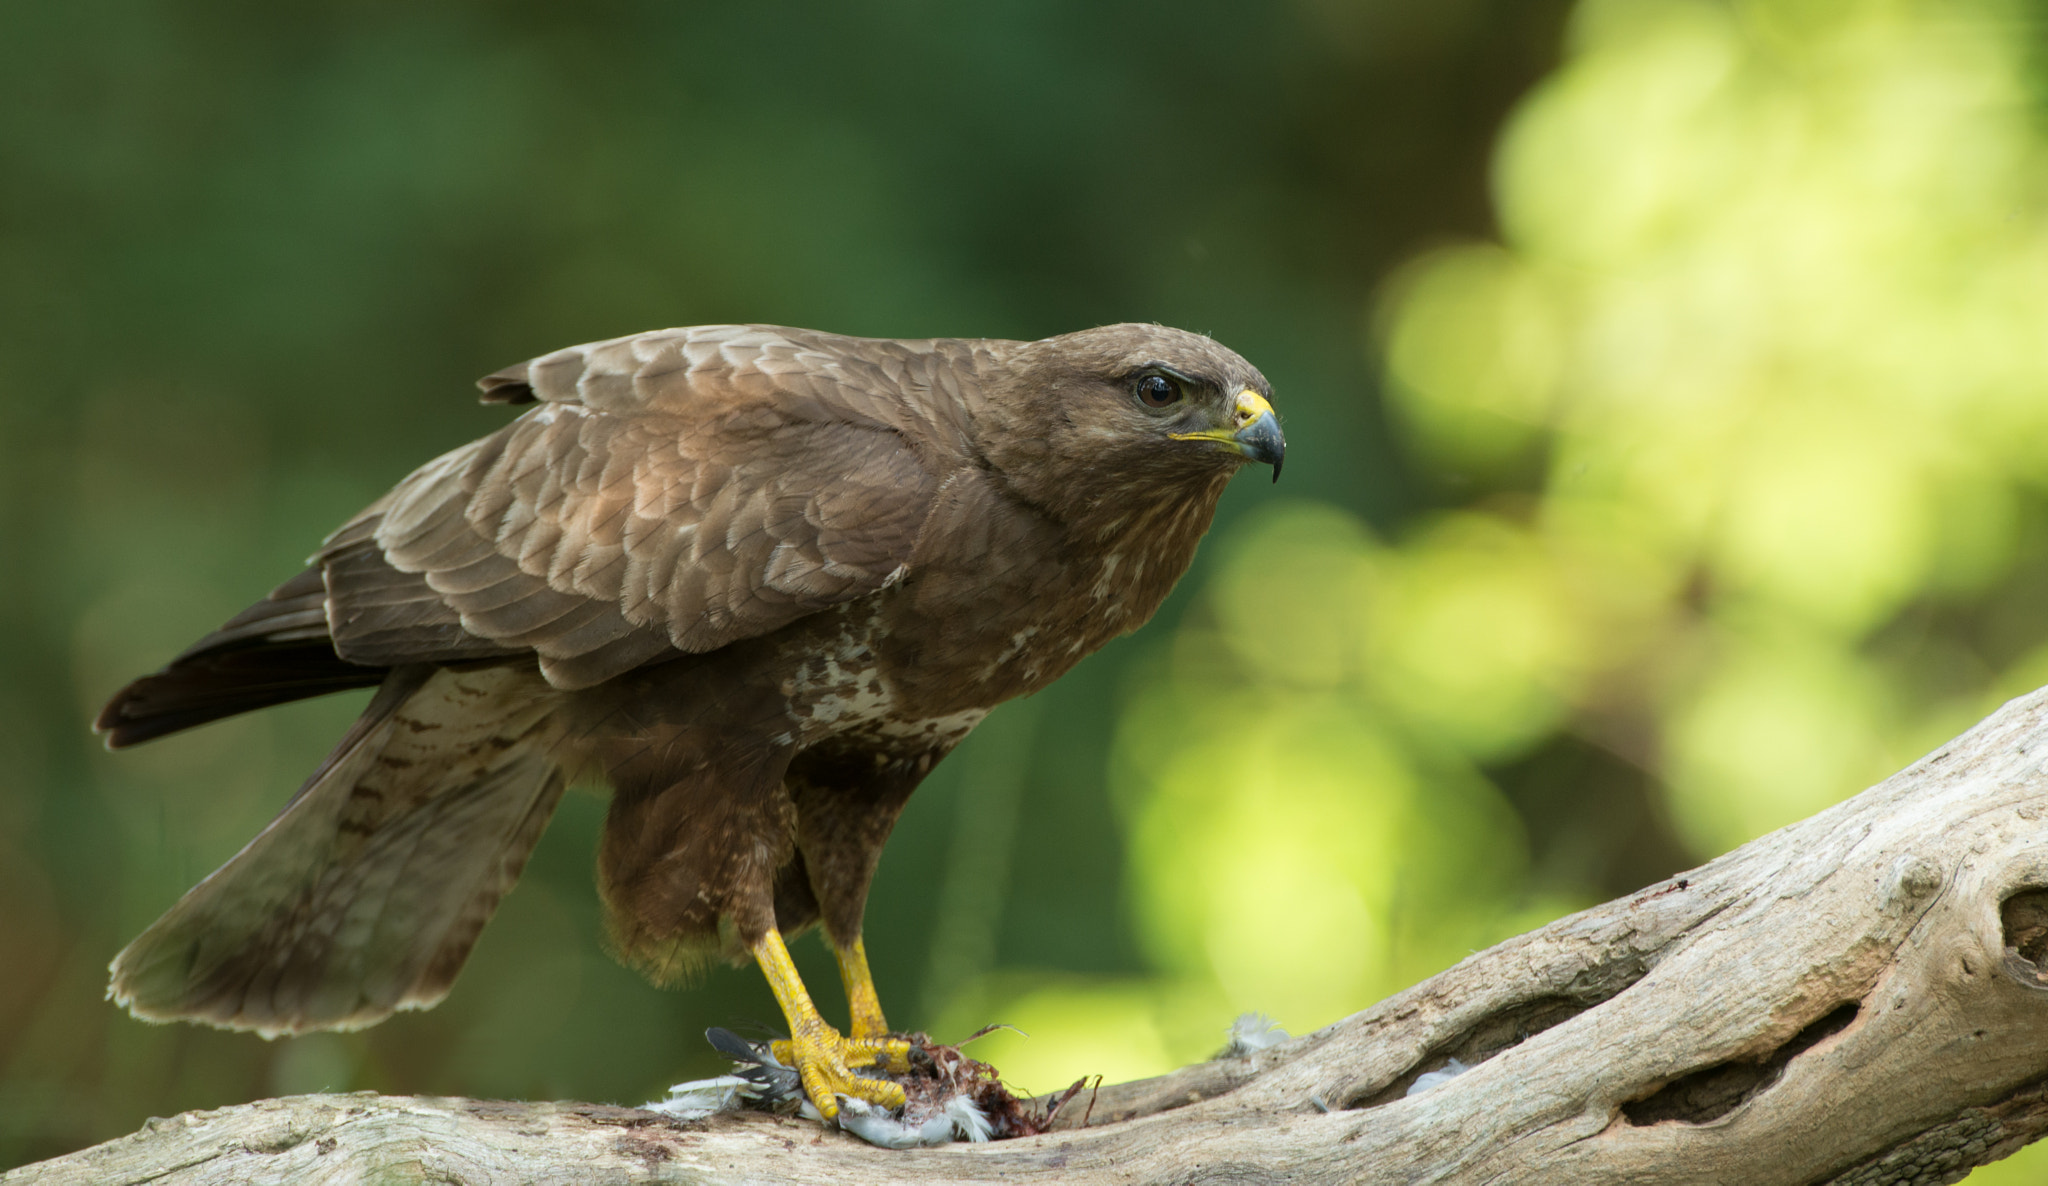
(756, 581)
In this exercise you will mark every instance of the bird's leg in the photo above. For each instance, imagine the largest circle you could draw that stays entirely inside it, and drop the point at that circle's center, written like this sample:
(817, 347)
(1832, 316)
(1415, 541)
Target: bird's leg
(861, 999)
(821, 1055)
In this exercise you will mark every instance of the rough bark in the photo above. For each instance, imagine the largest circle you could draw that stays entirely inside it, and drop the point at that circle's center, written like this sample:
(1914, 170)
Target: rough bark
(1859, 998)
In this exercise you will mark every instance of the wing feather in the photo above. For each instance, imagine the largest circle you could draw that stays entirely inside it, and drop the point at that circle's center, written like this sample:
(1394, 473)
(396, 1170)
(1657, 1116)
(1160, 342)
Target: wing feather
(677, 490)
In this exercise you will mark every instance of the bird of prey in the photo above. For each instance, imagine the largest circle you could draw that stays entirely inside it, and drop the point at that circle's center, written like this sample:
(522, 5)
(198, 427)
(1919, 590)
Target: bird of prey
(754, 580)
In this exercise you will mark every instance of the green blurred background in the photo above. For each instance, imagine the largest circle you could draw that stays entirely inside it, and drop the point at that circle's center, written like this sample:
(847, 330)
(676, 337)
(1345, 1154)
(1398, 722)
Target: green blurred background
(1667, 386)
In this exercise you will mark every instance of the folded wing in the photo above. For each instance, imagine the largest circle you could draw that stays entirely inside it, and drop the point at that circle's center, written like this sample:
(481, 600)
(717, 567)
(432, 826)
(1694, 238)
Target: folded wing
(668, 492)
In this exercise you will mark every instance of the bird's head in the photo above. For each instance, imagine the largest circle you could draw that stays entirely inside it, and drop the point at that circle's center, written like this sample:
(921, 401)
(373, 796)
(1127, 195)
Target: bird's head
(1131, 410)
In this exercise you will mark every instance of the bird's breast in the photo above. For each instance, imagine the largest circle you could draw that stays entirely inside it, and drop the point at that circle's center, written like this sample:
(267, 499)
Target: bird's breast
(845, 686)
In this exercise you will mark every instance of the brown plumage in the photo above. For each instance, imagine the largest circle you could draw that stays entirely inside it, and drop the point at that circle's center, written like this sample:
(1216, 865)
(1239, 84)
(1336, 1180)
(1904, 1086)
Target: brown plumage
(755, 580)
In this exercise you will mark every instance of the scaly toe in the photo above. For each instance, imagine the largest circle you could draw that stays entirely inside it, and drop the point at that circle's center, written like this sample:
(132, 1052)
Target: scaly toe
(880, 1092)
(891, 1054)
(825, 1061)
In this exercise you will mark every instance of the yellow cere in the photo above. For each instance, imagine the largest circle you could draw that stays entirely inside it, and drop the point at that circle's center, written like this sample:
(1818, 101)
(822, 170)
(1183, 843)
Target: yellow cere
(1250, 406)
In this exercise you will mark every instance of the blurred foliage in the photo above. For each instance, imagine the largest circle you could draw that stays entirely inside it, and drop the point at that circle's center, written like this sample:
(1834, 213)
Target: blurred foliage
(1738, 435)
(1696, 492)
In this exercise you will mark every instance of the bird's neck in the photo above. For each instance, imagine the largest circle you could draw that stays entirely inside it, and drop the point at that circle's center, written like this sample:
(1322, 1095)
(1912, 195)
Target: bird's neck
(1143, 542)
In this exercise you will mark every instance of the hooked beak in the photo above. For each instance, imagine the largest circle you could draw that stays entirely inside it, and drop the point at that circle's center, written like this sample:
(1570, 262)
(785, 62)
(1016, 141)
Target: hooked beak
(1254, 432)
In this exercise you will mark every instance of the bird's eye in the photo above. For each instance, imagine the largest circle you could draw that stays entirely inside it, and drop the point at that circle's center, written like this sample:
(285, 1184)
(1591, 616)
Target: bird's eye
(1158, 391)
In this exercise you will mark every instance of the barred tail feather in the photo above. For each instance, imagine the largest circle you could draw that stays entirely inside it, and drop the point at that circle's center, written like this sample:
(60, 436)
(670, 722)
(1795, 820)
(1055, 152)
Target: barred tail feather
(367, 892)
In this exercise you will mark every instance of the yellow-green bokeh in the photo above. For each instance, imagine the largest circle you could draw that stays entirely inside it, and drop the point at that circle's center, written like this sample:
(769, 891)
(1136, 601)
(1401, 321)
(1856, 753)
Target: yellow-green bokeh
(1768, 324)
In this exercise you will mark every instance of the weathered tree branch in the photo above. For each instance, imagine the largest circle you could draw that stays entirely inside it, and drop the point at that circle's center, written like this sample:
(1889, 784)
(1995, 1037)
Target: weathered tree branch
(1859, 998)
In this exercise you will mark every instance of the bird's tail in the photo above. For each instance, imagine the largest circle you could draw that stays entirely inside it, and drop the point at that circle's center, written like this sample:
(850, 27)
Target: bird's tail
(365, 895)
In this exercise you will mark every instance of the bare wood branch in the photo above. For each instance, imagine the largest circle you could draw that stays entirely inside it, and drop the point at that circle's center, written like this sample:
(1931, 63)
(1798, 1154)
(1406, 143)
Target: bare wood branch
(1859, 998)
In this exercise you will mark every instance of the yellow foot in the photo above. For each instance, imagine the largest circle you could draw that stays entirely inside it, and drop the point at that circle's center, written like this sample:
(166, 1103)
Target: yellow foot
(826, 1062)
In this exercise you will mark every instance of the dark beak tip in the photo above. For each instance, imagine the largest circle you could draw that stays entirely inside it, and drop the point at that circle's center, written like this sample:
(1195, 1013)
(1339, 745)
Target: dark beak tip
(1261, 441)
